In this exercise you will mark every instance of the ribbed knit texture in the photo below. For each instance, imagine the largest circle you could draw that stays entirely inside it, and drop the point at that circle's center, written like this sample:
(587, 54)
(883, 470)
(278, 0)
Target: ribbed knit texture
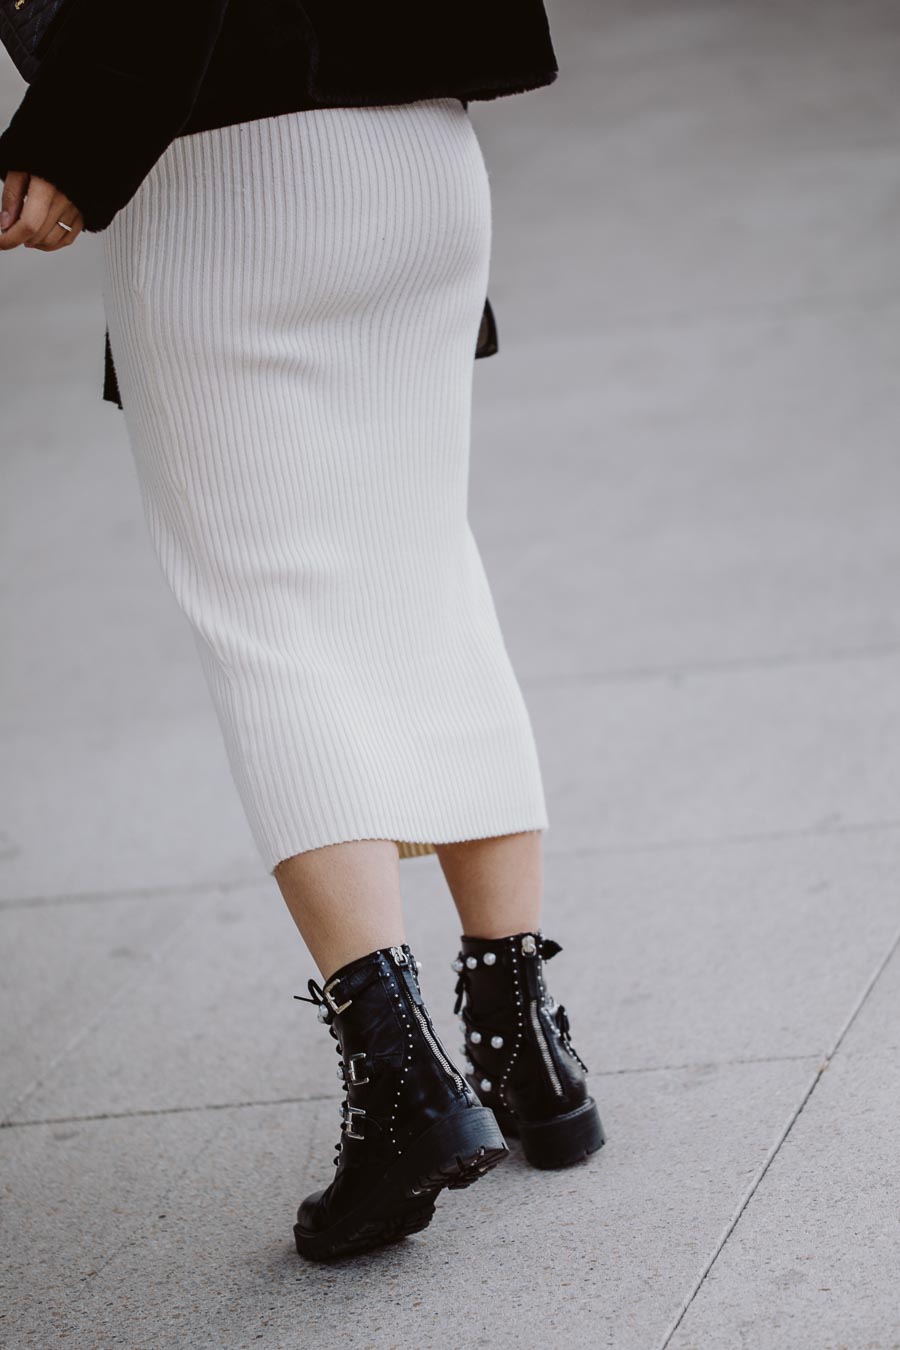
(293, 305)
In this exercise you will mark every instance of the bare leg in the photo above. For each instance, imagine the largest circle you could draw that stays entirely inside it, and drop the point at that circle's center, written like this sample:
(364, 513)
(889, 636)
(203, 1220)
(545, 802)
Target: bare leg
(497, 884)
(345, 899)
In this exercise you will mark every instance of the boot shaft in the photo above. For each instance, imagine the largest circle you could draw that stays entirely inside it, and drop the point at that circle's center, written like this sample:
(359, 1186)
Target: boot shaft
(398, 1078)
(519, 1056)
(410, 1124)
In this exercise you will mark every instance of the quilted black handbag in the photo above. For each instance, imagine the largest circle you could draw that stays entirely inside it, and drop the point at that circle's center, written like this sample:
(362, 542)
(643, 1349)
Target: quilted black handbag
(26, 28)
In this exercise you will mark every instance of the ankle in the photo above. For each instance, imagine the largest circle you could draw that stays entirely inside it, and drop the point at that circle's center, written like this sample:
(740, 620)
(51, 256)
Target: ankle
(486, 932)
(333, 957)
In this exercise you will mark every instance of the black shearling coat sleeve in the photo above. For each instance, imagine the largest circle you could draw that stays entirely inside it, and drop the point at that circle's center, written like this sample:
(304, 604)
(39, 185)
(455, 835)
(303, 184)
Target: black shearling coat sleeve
(114, 90)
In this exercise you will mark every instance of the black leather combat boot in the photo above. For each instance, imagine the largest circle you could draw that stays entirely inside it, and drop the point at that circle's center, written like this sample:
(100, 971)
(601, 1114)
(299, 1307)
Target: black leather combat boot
(519, 1057)
(410, 1124)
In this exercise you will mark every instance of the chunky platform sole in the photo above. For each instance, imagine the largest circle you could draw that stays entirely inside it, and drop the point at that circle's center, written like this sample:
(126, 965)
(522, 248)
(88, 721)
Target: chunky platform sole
(454, 1153)
(560, 1142)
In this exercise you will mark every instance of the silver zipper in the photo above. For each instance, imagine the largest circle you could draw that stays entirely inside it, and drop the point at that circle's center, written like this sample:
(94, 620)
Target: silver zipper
(399, 956)
(438, 1052)
(545, 1048)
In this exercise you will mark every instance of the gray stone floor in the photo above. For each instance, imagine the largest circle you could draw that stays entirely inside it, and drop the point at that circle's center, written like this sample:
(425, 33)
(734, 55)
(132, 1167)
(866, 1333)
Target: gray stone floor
(685, 482)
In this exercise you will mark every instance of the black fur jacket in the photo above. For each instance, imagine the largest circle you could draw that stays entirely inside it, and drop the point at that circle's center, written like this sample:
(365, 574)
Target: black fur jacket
(121, 81)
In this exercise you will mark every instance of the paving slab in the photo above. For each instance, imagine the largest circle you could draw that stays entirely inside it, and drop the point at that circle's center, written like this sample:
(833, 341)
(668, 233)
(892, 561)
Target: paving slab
(741, 951)
(813, 1261)
(176, 1230)
(212, 1019)
(706, 492)
(51, 304)
(90, 810)
(73, 1197)
(93, 634)
(101, 639)
(65, 967)
(712, 754)
(695, 158)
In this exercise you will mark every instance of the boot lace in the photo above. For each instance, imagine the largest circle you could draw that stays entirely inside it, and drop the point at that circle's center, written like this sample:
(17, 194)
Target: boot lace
(317, 998)
(326, 1014)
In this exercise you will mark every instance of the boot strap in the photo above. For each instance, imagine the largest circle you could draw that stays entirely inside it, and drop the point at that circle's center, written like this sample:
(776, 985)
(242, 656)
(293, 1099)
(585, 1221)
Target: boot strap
(356, 1070)
(328, 996)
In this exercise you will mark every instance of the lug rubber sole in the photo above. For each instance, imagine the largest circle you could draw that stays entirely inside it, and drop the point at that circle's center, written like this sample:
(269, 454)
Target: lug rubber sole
(454, 1153)
(560, 1142)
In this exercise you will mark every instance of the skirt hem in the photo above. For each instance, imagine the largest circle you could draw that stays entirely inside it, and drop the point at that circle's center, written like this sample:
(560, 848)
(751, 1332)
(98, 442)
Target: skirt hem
(408, 848)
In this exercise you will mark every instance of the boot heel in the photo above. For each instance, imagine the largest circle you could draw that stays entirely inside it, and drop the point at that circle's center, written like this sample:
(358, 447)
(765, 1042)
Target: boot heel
(565, 1139)
(455, 1152)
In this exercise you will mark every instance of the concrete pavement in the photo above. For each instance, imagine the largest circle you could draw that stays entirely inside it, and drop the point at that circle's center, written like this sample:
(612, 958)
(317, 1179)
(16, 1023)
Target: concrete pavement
(685, 485)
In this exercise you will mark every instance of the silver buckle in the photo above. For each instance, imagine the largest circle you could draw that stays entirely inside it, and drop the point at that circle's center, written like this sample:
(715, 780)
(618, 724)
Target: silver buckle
(352, 1113)
(352, 1076)
(330, 1001)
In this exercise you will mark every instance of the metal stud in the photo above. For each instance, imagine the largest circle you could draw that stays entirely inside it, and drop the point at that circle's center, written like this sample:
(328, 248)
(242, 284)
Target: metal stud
(496, 1042)
(322, 1014)
(475, 1037)
(490, 958)
(471, 962)
(485, 1085)
(457, 965)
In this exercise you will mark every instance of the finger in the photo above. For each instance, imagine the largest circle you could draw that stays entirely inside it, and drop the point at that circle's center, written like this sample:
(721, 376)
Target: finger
(33, 215)
(77, 223)
(54, 212)
(14, 189)
(55, 236)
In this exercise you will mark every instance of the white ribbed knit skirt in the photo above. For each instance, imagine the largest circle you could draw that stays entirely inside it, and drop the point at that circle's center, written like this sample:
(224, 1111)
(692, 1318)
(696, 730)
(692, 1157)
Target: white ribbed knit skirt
(293, 308)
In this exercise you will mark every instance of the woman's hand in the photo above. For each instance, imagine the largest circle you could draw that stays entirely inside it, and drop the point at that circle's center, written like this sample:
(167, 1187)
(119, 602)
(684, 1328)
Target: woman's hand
(30, 211)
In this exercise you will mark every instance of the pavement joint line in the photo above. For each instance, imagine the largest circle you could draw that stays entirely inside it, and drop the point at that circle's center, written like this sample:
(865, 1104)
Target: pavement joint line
(151, 1111)
(100, 1015)
(599, 850)
(173, 890)
(699, 669)
(739, 314)
(139, 1112)
(141, 1234)
(752, 1189)
(729, 840)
